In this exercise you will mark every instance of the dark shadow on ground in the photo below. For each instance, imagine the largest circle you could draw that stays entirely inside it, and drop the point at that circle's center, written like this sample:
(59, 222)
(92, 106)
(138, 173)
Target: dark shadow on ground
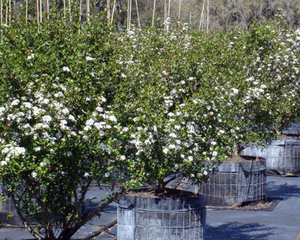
(238, 231)
(283, 191)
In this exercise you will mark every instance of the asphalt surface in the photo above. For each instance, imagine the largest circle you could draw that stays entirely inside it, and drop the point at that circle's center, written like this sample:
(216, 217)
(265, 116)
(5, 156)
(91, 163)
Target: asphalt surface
(279, 222)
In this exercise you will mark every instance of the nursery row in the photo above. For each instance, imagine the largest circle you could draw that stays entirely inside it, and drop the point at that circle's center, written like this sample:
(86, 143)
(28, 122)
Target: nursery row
(80, 102)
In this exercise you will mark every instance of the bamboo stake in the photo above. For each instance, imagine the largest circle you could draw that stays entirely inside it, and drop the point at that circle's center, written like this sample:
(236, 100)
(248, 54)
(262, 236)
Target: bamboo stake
(201, 17)
(80, 3)
(137, 13)
(130, 11)
(169, 9)
(1, 6)
(26, 11)
(190, 18)
(64, 2)
(41, 11)
(48, 9)
(113, 12)
(6, 12)
(207, 16)
(37, 13)
(179, 10)
(70, 13)
(153, 14)
(165, 10)
(127, 27)
(108, 9)
(88, 10)
(9, 11)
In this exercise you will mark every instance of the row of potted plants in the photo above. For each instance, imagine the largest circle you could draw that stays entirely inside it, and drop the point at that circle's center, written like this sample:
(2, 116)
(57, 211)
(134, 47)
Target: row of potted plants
(77, 107)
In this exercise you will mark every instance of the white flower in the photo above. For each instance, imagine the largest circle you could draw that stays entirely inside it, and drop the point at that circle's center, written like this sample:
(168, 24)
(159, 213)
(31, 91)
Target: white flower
(37, 149)
(3, 163)
(122, 158)
(15, 102)
(190, 158)
(213, 143)
(47, 118)
(123, 75)
(69, 154)
(66, 69)
(86, 174)
(165, 150)
(30, 56)
(34, 174)
(215, 153)
(90, 58)
(65, 111)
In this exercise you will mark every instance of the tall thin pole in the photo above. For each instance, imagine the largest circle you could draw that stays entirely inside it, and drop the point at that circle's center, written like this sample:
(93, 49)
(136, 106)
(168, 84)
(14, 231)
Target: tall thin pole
(1, 6)
(165, 10)
(207, 16)
(169, 9)
(6, 12)
(41, 11)
(88, 10)
(130, 10)
(179, 10)
(26, 11)
(201, 16)
(137, 13)
(108, 9)
(48, 9)
(153, 14)
(113, 12)
(128, 14)
(70, 13)
(9, 11)
(64, 2)
(80, 3)
(37, 13)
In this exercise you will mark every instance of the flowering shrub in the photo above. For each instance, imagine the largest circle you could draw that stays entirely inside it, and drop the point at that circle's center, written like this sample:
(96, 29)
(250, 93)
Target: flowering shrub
(78, 108)
(59, 135)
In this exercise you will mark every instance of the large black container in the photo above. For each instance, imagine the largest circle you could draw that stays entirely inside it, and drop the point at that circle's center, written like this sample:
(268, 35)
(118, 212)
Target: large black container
(236, 183)
(181, 218)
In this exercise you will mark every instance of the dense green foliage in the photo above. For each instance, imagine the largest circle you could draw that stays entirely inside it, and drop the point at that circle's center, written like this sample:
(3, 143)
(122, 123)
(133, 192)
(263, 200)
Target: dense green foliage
(81, 103)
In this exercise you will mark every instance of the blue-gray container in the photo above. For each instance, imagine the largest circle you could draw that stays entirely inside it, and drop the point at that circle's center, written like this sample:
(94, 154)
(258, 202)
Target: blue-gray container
(181, 218)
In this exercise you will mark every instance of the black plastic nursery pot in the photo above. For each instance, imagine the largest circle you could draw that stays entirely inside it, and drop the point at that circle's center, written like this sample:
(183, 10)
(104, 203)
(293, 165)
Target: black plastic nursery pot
(236, 183)
(147, 218)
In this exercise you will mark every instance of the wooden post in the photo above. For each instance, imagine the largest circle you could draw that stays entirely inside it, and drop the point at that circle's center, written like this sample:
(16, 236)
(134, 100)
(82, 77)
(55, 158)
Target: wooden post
(137, 13)
(153, 14)
(88, 10)
(9, 11)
